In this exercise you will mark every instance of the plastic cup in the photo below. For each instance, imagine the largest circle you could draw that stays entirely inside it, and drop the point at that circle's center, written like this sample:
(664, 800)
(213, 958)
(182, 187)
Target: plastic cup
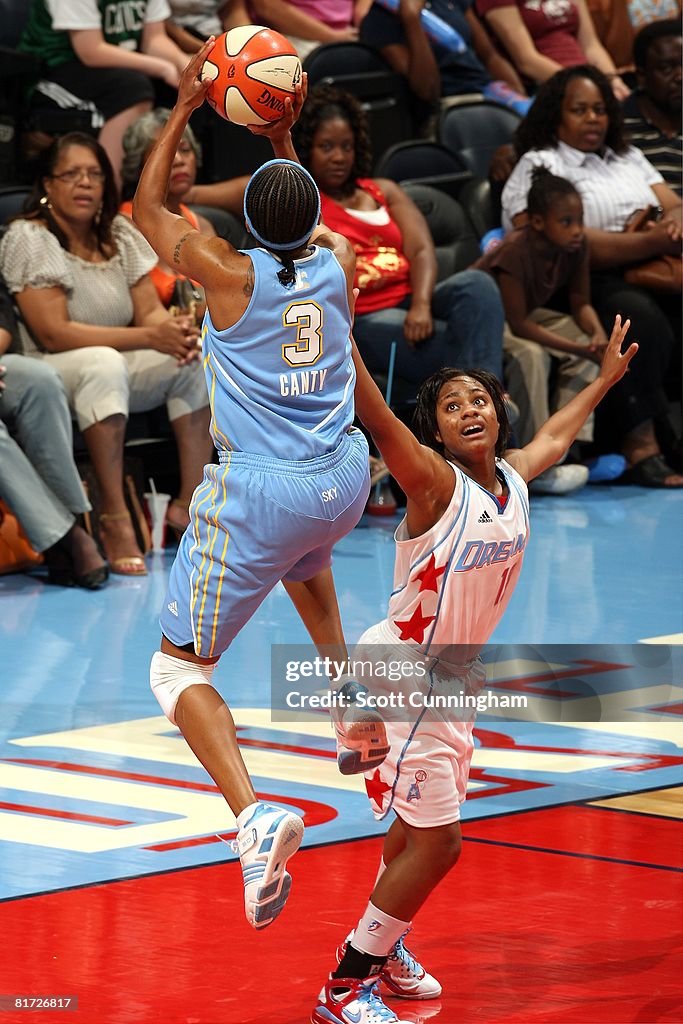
(157, 503)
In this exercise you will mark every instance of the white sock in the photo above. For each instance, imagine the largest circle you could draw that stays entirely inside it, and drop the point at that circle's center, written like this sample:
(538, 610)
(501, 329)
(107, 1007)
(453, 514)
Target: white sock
(376, 932)
(244, 816)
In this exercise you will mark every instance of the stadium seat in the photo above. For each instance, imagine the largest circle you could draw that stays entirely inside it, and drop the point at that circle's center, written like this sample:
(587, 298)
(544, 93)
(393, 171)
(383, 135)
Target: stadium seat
(12, 200)
(482, 208)
(423, 163)
(384, 95)
(455, 241)
(475, 130)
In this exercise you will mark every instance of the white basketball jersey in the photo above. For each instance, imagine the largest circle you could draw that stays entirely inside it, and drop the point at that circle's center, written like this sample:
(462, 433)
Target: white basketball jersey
(452, 584)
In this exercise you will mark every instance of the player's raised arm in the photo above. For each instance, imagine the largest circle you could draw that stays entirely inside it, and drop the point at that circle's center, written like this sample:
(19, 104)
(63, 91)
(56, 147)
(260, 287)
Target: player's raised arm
(182, 247)
(557, 433)
(421, 473)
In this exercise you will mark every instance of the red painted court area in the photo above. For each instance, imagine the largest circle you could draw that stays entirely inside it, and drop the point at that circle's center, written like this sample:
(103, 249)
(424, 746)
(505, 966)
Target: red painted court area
(569, 915)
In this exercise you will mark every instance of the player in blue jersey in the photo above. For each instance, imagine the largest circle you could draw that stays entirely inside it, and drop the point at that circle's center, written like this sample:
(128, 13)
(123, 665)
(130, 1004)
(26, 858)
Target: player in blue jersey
(293, 474)
(459, 552)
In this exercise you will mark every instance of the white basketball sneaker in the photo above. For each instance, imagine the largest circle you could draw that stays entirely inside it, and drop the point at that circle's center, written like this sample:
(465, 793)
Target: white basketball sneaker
(352, 1001)
(361, 733)
(403, 975)
(267, 841)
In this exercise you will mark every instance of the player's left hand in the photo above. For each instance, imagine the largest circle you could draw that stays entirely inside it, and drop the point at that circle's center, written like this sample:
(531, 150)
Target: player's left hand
(615, 362)
(276, 131)
(191, 88)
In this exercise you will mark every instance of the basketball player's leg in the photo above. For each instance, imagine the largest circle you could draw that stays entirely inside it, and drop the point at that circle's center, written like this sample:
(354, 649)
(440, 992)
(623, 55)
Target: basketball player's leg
(374, 951)
(205, 721)
(315, 600)
(361, 735)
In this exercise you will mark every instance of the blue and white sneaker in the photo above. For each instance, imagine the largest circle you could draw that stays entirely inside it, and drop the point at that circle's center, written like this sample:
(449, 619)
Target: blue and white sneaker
(267, 841)
(352, 1001)
(402, 974)
(361, 733)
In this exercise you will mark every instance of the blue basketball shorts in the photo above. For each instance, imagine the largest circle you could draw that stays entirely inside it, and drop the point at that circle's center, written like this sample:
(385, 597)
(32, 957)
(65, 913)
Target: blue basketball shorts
(255, 520)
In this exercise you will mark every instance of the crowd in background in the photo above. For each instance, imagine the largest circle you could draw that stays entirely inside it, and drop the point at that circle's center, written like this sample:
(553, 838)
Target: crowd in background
(98, 329)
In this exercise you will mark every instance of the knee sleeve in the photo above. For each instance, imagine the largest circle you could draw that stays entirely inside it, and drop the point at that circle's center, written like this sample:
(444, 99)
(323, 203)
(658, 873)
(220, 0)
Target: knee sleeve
(169, 676)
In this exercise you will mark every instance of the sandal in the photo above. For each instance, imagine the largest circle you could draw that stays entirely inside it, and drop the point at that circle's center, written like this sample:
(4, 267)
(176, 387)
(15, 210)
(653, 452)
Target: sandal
(126, 565)
(177, 524)
(651, 472)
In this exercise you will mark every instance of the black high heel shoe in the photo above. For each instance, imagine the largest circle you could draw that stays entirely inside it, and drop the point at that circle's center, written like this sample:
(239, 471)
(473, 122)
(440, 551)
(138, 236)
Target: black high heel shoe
(61, 572)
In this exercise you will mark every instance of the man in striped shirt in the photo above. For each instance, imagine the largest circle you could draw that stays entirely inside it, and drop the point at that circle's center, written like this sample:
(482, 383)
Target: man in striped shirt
(652, 114)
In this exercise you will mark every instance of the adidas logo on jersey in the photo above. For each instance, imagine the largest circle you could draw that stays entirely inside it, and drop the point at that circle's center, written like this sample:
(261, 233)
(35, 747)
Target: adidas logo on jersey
(484, 517)
(173, 608)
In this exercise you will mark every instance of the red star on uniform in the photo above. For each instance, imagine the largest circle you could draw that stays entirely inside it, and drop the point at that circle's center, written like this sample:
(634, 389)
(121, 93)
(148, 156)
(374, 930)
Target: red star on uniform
(414, 627)
(430, 574)
(377, 788)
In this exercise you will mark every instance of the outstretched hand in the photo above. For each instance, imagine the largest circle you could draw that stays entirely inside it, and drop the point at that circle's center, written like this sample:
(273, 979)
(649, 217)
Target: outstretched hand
(276, 131)
(615, 362)
(192, 89)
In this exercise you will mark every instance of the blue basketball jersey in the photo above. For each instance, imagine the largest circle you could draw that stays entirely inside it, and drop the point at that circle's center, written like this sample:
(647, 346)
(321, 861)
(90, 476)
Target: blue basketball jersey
(281, 379)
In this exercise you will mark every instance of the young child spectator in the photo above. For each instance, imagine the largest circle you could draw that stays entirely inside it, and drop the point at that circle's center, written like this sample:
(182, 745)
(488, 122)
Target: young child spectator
(530, 265)
(652, 114)
(102, 58)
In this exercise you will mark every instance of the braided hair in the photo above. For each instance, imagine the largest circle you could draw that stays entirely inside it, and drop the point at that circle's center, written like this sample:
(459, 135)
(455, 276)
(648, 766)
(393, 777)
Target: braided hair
(425, 425)
(546, 188)
(282, 208)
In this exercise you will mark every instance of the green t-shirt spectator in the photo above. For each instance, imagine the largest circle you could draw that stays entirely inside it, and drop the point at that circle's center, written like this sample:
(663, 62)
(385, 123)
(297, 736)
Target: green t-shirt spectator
(121, 21)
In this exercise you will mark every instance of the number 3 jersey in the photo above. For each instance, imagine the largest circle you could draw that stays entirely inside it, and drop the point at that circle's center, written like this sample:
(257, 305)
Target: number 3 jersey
(281, 379)
(452, 583)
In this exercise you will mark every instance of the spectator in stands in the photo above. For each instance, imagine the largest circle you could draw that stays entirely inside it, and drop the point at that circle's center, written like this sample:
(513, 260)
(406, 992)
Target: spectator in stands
(614, 30)
(434, 71)
(183, 190)
(193, 21)
(575, 129)
(310, 23)
(102, 58)
(172, 288)
(551, 356)
(652, 114)
(80, 276)
(458, 321)
(39, 481)
(544, 36)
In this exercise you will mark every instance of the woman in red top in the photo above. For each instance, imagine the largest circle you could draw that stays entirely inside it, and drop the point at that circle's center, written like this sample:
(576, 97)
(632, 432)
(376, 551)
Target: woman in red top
(457, 321)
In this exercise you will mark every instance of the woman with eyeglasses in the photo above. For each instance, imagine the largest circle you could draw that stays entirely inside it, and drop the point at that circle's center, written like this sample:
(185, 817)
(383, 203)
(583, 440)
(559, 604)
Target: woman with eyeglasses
(79, 273)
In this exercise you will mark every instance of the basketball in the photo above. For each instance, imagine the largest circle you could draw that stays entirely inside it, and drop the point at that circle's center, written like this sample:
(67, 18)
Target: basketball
(252, 70)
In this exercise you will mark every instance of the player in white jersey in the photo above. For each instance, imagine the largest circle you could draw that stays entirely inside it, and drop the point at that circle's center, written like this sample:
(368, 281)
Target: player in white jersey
(293, 474)
(459, 552)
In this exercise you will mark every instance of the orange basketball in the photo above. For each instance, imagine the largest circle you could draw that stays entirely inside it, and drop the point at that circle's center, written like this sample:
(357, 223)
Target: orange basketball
(252, 70)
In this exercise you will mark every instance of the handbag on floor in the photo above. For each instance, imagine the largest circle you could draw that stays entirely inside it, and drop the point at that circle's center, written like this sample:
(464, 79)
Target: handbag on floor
(16, 553)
